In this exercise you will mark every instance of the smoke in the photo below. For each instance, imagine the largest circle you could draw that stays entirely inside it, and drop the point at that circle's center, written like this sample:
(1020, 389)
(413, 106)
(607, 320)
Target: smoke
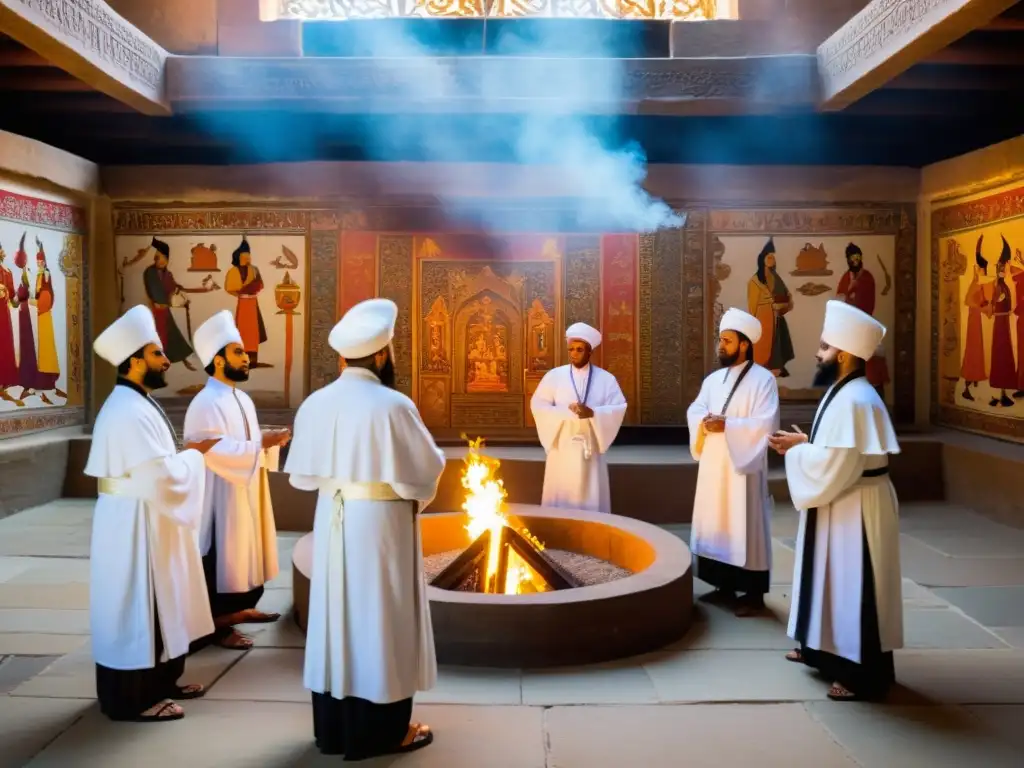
(571, 130)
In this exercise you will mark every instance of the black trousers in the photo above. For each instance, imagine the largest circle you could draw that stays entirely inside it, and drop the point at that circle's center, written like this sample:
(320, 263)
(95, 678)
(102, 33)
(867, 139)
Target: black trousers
(358, 728)
(222, 603)
(124, 694)
(873, 676)
(732, 578)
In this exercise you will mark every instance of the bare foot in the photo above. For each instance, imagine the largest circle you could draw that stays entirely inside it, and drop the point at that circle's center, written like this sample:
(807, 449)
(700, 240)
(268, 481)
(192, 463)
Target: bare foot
(236, 641)
(841, 693)
(164, 710)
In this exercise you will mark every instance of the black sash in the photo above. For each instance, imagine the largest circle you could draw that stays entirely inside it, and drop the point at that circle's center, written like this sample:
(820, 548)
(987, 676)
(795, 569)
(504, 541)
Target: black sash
(736, 385)
(803, 610)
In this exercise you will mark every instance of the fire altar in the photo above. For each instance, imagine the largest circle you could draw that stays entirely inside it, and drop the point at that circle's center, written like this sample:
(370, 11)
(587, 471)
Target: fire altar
(523, 586)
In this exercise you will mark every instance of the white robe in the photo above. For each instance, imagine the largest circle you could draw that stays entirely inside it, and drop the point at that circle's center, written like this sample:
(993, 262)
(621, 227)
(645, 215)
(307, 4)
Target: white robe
(854, 435)
(143, 537)
(571, 480)
(237, 503)
(364, 448)
(732, 507)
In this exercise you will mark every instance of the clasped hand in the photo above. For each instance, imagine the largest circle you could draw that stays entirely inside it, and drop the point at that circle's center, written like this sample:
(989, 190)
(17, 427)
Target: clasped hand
(714, 423)
(582, 411)
(781, 441)
(275, 437)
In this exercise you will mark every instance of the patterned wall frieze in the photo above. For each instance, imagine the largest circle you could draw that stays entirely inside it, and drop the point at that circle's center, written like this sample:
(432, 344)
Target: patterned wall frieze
(323, 307)
(42, 213)
(129, 221)
(581, 280)
(396, 283)
(665, 343)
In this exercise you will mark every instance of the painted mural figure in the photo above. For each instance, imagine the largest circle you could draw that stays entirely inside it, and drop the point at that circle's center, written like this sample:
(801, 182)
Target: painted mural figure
(8, 360)
(1003, 373)
(161, 290)
(769, 300)
(973, 370)
(857, 287)
(244, 282)
(28, 368)
(47, 360)
(1017, 273)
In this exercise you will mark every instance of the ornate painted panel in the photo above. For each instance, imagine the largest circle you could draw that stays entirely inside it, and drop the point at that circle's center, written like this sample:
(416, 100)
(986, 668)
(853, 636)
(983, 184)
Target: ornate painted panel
(187, 264)
(978, 313)
(43, 313)
(783, 265)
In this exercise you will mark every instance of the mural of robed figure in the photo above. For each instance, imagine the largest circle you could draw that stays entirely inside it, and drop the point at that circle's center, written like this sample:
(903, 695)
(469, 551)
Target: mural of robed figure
(973, 369)
(857, 288)
(8, 301)
(244, 282)
(1002, 375)
(47, 360)
(161, 290)
(769, 300)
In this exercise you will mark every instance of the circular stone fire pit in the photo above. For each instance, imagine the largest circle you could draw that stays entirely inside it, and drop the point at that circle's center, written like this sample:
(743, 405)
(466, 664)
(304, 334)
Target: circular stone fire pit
(623, 617)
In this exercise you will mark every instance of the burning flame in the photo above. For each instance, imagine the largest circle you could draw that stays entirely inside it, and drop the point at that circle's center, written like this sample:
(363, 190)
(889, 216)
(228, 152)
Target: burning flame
(485, 499)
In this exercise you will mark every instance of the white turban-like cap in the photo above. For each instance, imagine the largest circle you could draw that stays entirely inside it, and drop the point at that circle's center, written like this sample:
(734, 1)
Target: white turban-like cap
(215, 334)
(741, 322)
(127, 335)
(851, 330)
(365, 329)
(584, 332)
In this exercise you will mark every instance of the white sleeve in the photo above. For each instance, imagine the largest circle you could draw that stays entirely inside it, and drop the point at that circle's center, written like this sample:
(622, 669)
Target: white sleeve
(608, 416)
(548, 416)
(173, 486)
(695, 421)
(747, 437)
(817, 476)
(233, 460)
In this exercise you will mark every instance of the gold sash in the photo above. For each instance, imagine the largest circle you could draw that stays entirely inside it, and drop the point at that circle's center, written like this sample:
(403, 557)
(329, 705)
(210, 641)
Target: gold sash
(366, 492)
(114, 486)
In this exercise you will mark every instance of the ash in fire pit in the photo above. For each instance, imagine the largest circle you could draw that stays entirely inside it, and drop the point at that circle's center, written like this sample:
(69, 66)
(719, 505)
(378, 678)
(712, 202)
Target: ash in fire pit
(503, 557)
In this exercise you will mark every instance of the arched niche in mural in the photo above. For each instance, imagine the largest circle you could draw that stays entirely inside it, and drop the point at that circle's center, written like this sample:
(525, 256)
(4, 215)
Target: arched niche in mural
(488, 327)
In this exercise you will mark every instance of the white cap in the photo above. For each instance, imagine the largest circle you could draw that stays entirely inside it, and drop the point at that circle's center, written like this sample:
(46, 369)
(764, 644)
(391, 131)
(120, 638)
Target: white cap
(584, 332)
(127, 335)
(215, 334)
(851, 330)
(365, 329)
(741, 322)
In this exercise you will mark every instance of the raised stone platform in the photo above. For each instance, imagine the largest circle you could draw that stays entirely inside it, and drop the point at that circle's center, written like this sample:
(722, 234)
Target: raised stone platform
(626, 617)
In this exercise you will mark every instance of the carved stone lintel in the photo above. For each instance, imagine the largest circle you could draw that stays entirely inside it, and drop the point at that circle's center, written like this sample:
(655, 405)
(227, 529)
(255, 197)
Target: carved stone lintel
(360, 84)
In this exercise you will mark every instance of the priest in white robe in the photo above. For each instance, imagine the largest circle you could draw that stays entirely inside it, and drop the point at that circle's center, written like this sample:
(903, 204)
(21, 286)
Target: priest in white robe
(578, 409)
(147, 594)
(847, 610)
(730, 422)
(361, 445)
(237, 536)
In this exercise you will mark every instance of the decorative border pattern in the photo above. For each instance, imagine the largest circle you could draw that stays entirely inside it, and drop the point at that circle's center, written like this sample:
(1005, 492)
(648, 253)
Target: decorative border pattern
(662, 310)
(618, 265)
(133, 221)
(694, 313)
(898, 220)
(42, 213)
(323, 294)
(396, 283)
(947, 221)
(21, 423)
(581, 280)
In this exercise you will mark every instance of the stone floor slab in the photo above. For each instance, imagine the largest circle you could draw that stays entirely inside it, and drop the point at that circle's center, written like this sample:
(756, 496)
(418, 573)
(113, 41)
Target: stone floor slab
(961, 677)
(39, 644)
(1005, 721)
(50, 596)
(913, 737)
(15, 670)
(264, 674)
(45, 570)
(991, 606)
(931, 568)
(731, 676)
(996, 542)
(1012, 636)
(945, 628)
(28, 725)
(695, 736)
(615, 683)
(13, 566)
(44, 540)
(916, 596)
(42, 620)
(719, 628)
(474, 685)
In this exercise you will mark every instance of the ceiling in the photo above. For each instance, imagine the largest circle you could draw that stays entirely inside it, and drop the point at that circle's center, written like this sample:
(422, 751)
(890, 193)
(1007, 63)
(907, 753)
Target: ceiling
(963, 98)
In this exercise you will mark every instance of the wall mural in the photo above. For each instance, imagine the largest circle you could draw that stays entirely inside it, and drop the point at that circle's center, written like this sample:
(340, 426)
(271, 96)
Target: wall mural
(187, 265)
(481, 318)
(42, 314)
(978, 276)
(784, 266)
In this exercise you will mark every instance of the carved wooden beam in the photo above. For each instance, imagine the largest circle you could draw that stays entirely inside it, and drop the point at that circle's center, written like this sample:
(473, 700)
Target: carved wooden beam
(888, 37)
(91, 42)
(485, 84)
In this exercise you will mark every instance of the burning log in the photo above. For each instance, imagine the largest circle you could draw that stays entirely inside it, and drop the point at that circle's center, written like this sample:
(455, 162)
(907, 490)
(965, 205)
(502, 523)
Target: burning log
(503, 556)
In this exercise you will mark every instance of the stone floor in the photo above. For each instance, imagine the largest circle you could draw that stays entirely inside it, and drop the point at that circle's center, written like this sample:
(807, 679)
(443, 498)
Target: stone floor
(722, 697)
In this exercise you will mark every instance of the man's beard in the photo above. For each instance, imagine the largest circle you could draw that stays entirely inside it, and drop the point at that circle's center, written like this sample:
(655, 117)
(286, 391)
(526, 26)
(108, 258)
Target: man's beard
(728, 361)
(386, 373)
(154, 378)
(235, 374)
(853, 266)
(827, 374)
